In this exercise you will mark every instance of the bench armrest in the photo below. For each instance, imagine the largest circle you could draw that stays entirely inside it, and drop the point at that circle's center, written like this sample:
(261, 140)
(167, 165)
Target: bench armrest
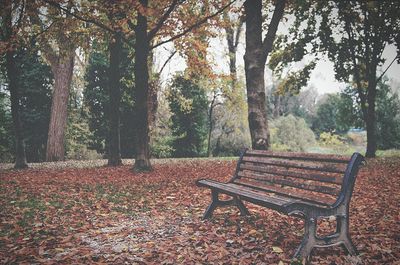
(308, 209)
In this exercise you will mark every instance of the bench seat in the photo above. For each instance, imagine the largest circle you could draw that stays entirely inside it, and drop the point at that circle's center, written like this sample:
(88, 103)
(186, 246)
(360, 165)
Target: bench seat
(310, 186)
(270, 200)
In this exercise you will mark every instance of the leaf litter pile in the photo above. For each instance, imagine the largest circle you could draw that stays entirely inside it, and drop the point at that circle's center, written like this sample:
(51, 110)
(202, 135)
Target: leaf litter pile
(112, 215)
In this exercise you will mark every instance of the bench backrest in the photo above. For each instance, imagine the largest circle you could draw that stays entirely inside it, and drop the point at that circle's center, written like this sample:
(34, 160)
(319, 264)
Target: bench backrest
(317, 178)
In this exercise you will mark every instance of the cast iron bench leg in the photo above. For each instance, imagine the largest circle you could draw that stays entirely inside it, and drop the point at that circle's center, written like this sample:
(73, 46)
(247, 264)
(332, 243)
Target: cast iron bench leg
(309, 240)
(242, 208)
(215, 202)
(342, 229)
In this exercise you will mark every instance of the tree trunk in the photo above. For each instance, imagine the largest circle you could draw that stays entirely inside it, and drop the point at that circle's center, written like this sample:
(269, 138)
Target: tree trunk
(254, 69)
(62, 71)
(210, 123)
(152, 98)
(12, 72)
(232, 56)
(277, 106)
(370, 120)
(142, 49)
(114, 153)
(232, 31)
(255, 58)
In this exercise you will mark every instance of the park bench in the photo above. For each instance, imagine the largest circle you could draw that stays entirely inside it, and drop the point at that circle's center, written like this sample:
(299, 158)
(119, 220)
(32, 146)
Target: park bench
(309, 186)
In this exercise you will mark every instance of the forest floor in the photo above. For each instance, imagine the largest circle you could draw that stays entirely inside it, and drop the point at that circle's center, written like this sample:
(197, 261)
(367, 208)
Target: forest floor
(63, 215)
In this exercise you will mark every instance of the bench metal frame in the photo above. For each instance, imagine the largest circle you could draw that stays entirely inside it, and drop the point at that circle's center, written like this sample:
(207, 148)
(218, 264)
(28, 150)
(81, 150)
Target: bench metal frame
(308, 211)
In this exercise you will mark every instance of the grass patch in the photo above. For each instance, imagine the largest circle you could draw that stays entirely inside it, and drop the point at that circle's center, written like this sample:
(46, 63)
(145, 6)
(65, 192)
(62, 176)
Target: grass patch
(388, 153)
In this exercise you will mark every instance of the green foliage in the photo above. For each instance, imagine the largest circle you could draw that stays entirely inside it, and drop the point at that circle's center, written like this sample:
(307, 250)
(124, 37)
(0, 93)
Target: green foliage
(162, 147)
(301, 105)
(293, 47)
(296, 80)
(329, 139)
(78, 136)
(35, 82)
(6, 139)
(339, 112)
(290, 133)
(96, 100)
(188, 104)
(349, 111)
(360, 25)
(332, 114)
(231, 132)
(388, 118)
(36, 88)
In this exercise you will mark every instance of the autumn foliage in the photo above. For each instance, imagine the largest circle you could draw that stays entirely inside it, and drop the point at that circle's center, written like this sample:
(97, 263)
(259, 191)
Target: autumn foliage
(111, 215)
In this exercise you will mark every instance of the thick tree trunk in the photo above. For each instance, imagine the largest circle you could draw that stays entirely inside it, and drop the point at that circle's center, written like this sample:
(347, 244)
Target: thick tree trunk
(114, 153)
(257, 113)
(142, 49)
(255, 57)
(254, 69)
(62, 71)
(370, 120)
(12, 72)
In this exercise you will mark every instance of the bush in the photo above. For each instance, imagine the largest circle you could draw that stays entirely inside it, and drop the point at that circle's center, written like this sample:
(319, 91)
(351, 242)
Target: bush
(290, 133)
(329, 139)
(162, 147)
(357, 138)
(188, 104)
(80, 152)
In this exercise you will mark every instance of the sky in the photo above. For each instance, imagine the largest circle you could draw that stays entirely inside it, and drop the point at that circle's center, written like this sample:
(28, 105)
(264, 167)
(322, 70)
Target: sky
(322, 77)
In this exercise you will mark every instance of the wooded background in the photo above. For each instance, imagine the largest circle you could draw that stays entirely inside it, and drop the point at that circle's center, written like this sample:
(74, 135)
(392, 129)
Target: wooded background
(82, 79)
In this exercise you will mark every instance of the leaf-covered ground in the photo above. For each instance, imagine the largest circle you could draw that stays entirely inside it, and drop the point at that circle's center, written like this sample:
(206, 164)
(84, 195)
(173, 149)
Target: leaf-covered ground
(111, 215)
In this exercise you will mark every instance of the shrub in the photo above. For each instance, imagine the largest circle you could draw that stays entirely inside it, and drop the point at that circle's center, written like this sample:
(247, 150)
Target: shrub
(290, 133)
(162, 147)
(188, 104)
(330, 139)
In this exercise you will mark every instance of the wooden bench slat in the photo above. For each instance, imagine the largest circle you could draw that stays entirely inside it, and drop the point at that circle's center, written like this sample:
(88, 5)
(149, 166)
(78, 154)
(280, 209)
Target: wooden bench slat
(287, 182)
(252, 195)
(286, 192)
(291, 164)
(284, 172)
(301, 156)
(307, 185)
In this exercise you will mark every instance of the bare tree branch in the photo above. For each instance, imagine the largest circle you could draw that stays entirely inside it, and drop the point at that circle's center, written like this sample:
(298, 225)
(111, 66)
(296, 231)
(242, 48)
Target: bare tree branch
(48, 52)
(160, 23)
(387, 68)
(273, 26)
(21, 15)
(239, 28)
(166, 62)
(88, 20)
(195, 25)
